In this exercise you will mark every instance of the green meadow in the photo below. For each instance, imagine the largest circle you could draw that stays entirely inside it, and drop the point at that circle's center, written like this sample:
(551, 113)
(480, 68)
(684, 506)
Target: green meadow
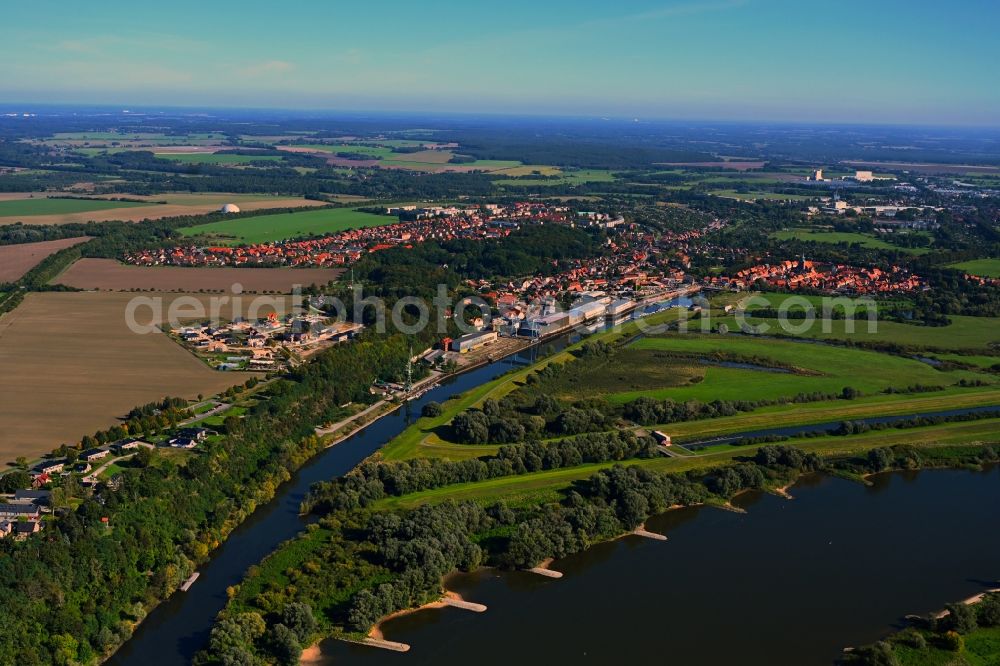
(755, 196)
(842, 237)
(42, 206)
(269, 228)
(216, 158)
(565, 178)
(374, 152)
(962, 333)
(983, 267)
(821, 368)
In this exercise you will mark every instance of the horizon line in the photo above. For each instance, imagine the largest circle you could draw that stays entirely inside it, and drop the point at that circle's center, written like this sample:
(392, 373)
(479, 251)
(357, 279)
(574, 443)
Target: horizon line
(123, 108)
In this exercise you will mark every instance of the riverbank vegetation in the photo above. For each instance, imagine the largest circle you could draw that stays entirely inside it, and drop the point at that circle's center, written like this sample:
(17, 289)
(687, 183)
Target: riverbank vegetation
(143, 538)
(966, 633)
(359, 565)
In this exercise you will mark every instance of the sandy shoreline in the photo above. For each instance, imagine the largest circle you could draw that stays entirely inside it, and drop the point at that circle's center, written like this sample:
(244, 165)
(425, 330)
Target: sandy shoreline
(376, 631)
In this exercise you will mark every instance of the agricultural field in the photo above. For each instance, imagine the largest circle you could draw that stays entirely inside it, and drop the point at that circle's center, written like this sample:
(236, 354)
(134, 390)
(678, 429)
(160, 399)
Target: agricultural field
(842, 237)
(431, 160)
(72, 366)
(268, 228)
(216, 158)
(152, 207)
(16, 260)
(564, 177)
(37, 206)
(982, 267)
(759, 195)
(110, 275)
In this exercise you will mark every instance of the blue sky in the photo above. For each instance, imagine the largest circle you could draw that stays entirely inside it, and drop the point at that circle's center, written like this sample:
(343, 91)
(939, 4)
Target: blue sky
(873, 61)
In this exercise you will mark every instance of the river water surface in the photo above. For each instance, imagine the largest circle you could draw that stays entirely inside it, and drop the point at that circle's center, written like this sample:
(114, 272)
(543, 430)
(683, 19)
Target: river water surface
(789, 582)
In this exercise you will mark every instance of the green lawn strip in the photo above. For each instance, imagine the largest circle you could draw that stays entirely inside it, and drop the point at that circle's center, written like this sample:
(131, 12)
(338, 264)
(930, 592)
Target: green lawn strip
(840, 410)
(978, 361)
(528, 485)
(267, 228)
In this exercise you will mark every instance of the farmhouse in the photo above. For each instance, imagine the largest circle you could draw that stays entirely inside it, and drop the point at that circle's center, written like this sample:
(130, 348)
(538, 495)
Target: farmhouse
(183, 443)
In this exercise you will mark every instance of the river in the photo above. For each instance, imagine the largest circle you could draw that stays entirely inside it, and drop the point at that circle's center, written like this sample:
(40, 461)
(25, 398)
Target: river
(176, 629)
(789, 582)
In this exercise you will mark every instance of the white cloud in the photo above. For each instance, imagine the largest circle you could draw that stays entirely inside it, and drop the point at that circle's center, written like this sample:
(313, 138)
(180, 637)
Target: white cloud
(268, 68)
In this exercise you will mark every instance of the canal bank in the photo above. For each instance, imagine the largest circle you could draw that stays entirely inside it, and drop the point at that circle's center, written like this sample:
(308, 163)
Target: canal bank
(179, 627)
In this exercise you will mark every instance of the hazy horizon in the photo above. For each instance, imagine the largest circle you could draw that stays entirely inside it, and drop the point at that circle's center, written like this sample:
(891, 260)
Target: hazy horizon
(724, 60)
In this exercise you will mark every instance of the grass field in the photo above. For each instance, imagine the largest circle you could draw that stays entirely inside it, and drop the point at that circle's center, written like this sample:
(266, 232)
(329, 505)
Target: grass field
(109, 274)
(547, 484)
(842, 237)
(72, 366)
(962, 333)
(16, 260)
(565, 178)
(983, 267)
(267, 228)
(40, 206)
(833, 411)
(833, 368)
(978, 361)
(757, 195)
(216, 158)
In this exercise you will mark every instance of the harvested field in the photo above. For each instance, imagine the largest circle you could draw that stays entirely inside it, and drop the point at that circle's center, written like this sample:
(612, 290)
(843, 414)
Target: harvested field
(72, 366)
(176, 205)
(108, 274)
(16, 260)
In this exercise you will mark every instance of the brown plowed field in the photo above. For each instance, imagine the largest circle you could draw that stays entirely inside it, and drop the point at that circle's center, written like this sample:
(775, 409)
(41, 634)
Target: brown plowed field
(16, 260)
(108, 274)
(192, 204)
(72, 366)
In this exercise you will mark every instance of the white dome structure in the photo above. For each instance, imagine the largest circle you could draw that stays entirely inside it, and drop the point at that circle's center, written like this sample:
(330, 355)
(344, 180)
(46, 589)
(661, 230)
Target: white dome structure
(230, 208)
